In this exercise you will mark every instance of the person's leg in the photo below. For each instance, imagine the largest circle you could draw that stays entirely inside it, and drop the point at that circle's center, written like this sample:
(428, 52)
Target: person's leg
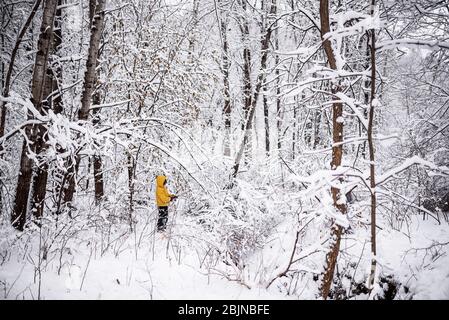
(163, 217)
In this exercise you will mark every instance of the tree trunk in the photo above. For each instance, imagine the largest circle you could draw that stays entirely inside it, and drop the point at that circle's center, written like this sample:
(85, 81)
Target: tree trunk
(371, 153)
(278, 91)
(226, 86)
(18, 216)
(192, 33)
(247, 85)
(260, 80)
(7, 80)
(295, 124)
(89, 85)
(267, 123)
(316, 128)
(131, 169)
(98, 163)
(50, 102)
(337, 154)
(265, 88)
(91, 64)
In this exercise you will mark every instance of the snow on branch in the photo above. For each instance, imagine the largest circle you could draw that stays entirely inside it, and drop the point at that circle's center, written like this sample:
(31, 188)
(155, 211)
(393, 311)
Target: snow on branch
(415, 160)
(27, 104)
(390, 44)
(364, 22)
(327, 75)
(351, 104)
(108, 105)
(168, 153)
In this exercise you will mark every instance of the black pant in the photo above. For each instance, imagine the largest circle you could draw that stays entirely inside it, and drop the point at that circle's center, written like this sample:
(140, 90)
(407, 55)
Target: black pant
(163, 217)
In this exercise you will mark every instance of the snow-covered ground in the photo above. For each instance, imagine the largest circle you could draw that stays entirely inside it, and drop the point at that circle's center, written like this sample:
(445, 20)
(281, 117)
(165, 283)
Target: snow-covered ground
(171, 267)
(124, 277)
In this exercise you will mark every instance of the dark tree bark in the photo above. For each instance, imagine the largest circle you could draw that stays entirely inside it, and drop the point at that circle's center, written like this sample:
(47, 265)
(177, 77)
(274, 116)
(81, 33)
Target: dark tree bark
(267, 123)
(247, 84)
(294, 135)
(50, 102)
(337, 154)
(195, 11)
(90, 75)
(265, 98)
(89, 86)
(18, 216)
(278, 91)
(7, 80)
(372, 151)
(98, 163)
(260, 80)
(131, 170)
(226, 87)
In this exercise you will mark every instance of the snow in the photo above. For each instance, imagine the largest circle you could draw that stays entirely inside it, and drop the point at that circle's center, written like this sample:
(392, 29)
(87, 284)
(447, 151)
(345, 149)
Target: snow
(126, 277)
(396, 255)
(145, 265)
(265, 233)
(415, 160)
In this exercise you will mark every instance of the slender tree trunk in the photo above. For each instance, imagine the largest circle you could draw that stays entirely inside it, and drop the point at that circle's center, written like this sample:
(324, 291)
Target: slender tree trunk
(98, 163)
(247, 106)
(337, 154)
(278, 91)
(247, 85)
(91, 64)
(317, 127)
(89, 85)
(2, 109)
(7, 81)
(295, 124)
(371, 153)
(131, 169)
(192, 35)
(50, 102)
(18, 217)
(226, 87)
(366, 95)
(267, 122)
(39, 183)
(260, 80)
(266, 112)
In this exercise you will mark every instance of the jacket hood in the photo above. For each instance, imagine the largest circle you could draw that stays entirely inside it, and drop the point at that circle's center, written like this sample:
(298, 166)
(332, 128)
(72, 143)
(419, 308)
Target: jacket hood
(160, 181)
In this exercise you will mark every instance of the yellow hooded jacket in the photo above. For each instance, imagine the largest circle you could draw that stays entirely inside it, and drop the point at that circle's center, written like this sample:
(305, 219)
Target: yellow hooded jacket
(163, 198)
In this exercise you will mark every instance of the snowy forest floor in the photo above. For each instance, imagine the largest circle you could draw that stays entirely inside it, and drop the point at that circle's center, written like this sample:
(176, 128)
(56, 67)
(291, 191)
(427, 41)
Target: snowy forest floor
(86, 262)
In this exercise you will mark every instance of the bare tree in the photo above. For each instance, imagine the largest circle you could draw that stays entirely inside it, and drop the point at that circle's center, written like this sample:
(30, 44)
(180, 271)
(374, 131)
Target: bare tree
(18, 216)
(247, 84)
(337, 155)
(52, 101)
(96, 98)
(6, 78)
(371, 152)
(260, 80)
(89, 85)
(225, 69)
(6, 82)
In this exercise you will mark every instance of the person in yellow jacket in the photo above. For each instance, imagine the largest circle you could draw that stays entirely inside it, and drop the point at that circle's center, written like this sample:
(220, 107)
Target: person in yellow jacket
(163, 198)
